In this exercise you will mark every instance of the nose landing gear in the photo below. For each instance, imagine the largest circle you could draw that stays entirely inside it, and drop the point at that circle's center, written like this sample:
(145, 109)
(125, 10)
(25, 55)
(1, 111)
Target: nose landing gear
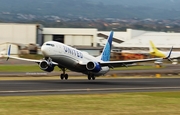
(64, 75)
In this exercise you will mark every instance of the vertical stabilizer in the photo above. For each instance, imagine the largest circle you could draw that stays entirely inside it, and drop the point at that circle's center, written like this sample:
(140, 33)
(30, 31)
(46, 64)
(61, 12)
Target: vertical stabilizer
(155, 52)
(152, 47)
(105, 55)
(8, 52)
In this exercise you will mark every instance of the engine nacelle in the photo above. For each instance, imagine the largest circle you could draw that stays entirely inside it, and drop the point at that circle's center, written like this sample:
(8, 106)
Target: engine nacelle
(93, 66)
(46, 66)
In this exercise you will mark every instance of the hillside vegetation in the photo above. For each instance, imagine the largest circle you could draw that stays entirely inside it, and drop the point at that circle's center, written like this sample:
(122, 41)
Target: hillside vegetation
(155, 9)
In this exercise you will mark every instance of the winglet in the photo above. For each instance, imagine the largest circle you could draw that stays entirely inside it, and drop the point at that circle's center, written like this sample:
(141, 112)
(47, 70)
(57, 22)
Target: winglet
(9, 52)
(169, 55)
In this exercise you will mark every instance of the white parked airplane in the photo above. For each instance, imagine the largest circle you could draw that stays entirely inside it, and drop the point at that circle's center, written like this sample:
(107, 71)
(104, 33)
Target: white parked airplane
(66, 57)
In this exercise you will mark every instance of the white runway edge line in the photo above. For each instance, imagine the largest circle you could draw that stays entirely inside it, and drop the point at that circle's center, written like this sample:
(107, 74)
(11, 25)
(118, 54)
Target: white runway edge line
(88, 89)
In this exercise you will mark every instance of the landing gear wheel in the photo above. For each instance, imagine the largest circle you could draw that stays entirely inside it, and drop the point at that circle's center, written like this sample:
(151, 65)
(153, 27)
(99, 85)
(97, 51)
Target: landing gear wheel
(62, 76)
(93, 77)
(89, 77)
(66, 76)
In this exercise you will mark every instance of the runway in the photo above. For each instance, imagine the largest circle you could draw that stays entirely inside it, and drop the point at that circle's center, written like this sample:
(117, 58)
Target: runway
(84, 86)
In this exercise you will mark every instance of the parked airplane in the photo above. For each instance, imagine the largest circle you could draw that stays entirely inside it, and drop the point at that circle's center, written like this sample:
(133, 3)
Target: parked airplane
(66, 57)
(158, 53)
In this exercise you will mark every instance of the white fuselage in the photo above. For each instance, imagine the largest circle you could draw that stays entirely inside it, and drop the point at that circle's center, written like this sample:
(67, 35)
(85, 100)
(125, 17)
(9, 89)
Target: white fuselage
(173, 54)
(70, 58)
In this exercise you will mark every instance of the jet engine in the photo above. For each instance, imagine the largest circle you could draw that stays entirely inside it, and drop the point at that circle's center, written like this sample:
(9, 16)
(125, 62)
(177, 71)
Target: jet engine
(46, 66)
(93, 66)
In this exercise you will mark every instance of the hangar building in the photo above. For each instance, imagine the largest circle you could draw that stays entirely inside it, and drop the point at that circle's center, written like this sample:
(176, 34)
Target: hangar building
(18, 34)
(85, 37)
(36, 34)
(139, 39)
(71, 36)
(21, 33)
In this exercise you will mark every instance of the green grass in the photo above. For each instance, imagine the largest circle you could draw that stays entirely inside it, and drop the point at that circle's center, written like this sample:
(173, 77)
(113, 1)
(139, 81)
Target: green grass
(152, 103)
(22, 68)
(31, 56)
(19, 68)
(35, 68)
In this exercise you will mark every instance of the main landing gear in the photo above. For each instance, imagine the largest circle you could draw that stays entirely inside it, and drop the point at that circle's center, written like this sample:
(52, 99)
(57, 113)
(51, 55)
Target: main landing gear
(91, 76)
(64, 75)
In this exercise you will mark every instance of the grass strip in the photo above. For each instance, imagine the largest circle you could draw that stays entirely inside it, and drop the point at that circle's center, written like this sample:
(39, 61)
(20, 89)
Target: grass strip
(35, 68)
(22, 68)
(151, 103)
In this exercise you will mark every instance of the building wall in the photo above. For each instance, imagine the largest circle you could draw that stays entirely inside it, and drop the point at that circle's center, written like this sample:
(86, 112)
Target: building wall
(72, 36)
(48, 38)
(18, 33)
(81, 40)
(140, 38)
(160, 39)
(27, 33)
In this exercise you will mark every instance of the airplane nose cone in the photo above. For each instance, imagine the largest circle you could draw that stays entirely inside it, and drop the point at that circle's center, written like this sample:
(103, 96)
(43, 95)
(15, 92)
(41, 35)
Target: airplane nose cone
(44, 50)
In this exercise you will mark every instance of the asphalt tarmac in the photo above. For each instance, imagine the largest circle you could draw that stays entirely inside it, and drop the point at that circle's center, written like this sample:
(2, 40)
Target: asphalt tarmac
(84, 86)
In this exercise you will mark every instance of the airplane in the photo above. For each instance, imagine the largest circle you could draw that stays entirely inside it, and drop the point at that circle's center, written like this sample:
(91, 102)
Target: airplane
(158, 53)
(66, 57)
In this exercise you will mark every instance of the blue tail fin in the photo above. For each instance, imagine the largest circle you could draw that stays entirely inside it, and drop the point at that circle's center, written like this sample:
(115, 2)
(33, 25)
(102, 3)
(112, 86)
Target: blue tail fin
(9, 52)
(105, 55)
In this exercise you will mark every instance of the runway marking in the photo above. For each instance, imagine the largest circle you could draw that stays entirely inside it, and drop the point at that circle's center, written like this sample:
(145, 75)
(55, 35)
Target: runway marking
(88, 89)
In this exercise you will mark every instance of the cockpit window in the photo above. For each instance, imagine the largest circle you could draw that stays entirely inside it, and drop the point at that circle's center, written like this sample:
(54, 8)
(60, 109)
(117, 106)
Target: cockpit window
(50, 44)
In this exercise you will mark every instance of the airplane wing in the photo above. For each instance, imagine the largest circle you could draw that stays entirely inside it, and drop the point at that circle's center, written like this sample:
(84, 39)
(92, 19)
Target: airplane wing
(126, 62)
(24, 59)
